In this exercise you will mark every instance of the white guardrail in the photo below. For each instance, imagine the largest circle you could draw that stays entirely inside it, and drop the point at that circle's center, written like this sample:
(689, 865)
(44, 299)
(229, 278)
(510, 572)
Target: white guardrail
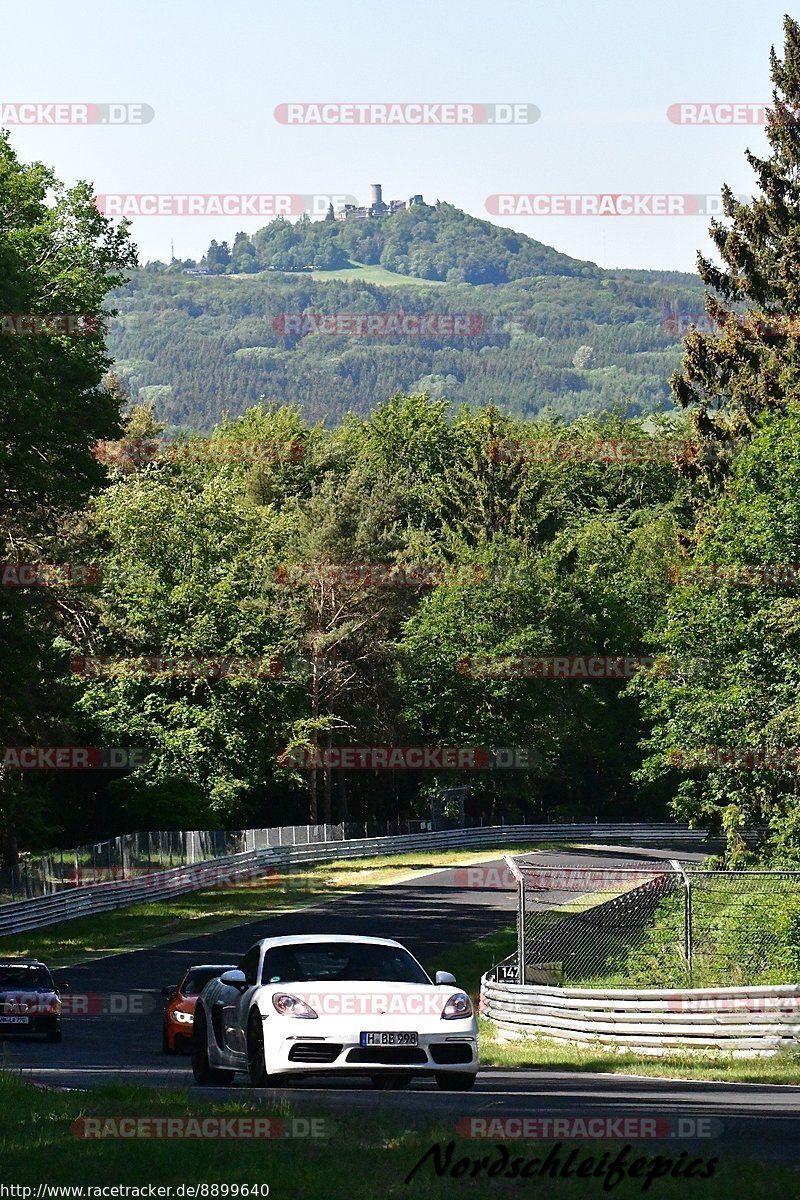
(81, 901)
(744, 1021)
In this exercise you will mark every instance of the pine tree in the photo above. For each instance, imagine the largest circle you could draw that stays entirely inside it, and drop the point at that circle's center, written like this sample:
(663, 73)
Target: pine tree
(753, 366)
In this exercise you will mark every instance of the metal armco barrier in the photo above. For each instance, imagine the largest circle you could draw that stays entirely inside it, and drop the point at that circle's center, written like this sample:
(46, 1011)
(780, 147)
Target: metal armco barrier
(69, 903)
(744, 1021)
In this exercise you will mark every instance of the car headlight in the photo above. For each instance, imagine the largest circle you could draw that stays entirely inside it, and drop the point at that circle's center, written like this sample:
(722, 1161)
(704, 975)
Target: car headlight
(292, 1006)
(183, 1018)
(457, 1007)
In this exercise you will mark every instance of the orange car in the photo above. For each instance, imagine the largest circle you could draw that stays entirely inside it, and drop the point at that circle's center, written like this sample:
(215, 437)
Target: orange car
(179, 1010)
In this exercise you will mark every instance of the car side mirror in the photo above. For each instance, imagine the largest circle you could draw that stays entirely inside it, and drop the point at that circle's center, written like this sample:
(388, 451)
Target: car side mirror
(61, 984)
(234, 979)
(169, 990)
(445, 977)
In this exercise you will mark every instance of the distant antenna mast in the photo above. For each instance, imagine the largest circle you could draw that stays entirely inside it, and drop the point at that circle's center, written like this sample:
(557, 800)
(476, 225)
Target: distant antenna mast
(172, 249)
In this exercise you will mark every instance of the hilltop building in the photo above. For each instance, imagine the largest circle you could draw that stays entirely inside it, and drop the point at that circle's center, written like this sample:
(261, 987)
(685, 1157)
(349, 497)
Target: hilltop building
(377, 206)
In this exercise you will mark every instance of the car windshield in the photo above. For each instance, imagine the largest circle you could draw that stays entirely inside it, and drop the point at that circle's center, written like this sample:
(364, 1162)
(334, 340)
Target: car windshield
(351, 961)
(25, 979)
(195, 981)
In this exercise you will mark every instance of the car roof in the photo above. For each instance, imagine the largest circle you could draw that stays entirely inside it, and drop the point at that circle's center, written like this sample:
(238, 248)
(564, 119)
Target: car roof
(304, 939)
(20, 962)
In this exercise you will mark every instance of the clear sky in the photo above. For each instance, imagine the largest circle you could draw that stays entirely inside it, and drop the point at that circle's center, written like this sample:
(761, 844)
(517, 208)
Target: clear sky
(603, 76)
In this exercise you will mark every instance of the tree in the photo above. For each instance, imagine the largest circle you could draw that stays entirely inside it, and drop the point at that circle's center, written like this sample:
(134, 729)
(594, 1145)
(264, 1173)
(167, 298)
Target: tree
(737, 648)
(217, 257)
(243, 259)
(347, 629)
(753, 367)
(58, 255)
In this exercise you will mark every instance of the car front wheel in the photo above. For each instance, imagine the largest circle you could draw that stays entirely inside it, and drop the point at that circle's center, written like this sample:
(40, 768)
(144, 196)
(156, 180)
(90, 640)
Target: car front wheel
(201, 1068)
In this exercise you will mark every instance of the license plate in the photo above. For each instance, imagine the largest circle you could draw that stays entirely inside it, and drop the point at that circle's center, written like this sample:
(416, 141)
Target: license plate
(13, 1020)
(389, 1039)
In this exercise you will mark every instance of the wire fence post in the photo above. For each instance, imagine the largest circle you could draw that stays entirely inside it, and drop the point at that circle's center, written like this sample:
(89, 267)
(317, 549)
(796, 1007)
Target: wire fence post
(688, 926)
(521, 938)
(515, 871)
(687, 916)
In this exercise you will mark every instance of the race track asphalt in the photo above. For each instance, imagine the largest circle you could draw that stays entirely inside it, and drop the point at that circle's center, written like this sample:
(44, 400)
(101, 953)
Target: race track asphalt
(429, 915)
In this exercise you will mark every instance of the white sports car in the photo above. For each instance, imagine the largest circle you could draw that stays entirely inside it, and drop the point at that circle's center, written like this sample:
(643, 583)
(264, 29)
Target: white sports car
(344, 1005)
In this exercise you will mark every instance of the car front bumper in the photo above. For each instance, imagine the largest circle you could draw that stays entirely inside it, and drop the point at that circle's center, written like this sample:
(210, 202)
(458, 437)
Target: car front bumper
(342, 1053)
(35, 1023)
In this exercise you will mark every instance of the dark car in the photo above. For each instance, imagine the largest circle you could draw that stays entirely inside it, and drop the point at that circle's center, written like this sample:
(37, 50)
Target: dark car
(30, 1001)
(179, 1012)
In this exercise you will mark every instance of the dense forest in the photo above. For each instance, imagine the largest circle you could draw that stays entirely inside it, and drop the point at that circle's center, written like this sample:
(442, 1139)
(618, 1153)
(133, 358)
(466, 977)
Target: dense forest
(387, 541)
(553, 344)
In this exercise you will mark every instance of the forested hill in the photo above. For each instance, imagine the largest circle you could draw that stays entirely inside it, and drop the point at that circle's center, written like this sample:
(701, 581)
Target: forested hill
(545, 332)
(439, 243)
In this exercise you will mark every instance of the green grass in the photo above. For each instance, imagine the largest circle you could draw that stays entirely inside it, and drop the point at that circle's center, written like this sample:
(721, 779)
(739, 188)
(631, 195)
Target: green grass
(550, 1055)
(373, 274)
(363, 1155)
(469, 961)
(204, 912)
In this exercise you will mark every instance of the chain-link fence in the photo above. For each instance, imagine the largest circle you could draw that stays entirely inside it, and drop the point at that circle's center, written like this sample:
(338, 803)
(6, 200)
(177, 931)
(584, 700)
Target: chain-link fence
(654, 925)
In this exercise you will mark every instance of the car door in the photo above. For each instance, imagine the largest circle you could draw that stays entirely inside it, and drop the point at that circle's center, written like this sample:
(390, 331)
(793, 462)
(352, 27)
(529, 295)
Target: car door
(236, 1009)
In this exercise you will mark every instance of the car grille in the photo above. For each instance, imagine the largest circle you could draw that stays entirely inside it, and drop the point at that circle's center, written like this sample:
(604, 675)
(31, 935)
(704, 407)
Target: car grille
(388, 1055)
(315, 1052)
(451, 1052)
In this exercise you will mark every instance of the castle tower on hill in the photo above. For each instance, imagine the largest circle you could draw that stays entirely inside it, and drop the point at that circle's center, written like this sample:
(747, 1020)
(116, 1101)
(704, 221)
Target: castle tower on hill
(377, 206)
